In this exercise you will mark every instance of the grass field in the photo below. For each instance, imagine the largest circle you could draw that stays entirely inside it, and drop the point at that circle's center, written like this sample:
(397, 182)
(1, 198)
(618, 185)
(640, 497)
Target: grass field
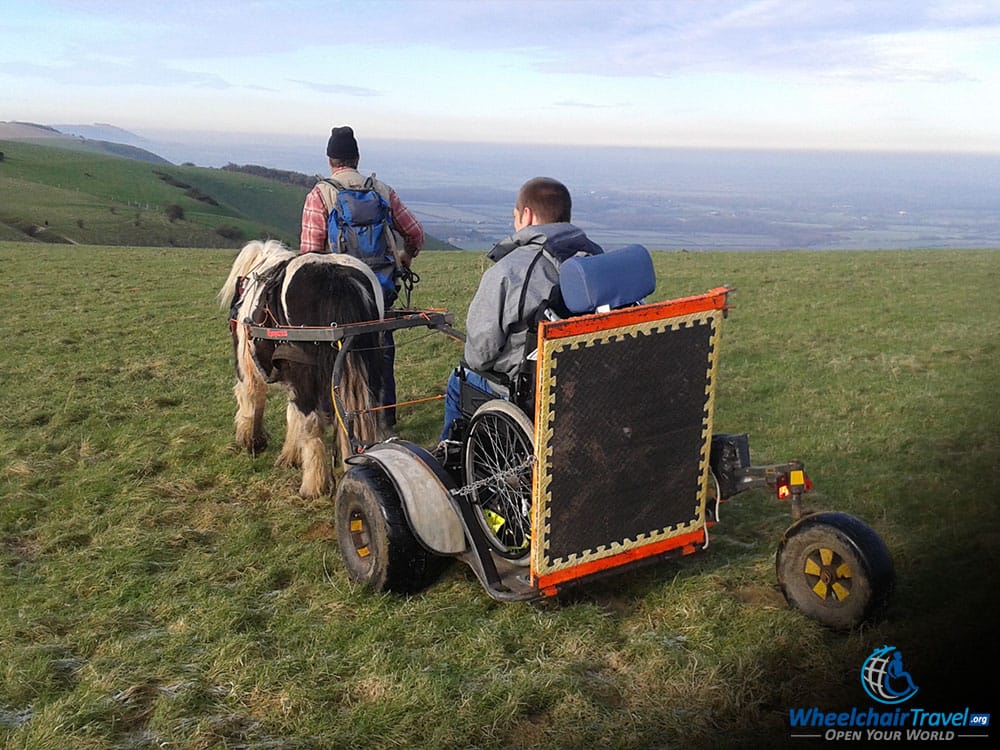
(160, 589)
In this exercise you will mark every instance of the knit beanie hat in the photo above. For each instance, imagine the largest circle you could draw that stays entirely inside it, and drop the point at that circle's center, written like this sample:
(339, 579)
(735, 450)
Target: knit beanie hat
(342, 145)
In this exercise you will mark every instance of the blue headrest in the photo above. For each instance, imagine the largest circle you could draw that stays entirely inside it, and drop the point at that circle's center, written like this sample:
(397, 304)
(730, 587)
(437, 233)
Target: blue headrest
(617, 278)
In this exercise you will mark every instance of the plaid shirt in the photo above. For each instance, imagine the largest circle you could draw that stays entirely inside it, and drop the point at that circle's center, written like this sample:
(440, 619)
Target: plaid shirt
(315, 219)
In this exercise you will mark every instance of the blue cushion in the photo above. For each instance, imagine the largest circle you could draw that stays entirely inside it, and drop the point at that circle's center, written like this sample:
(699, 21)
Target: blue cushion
(616, 278)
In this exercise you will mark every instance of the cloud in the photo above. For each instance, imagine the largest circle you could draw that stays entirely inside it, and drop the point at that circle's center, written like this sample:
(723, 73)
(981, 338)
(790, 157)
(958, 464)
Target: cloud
(456, 66)
(337, 88)
(910, 57)
(91, 72)
(646, 38)
(218, 29)
(584, 105)
(902, 42)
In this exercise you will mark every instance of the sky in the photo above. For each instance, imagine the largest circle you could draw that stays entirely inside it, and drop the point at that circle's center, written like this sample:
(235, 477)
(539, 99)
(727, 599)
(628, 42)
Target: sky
(801, 74)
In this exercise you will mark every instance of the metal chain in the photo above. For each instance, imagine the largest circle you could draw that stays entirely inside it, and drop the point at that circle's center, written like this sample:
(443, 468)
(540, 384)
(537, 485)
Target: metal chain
(492, 479)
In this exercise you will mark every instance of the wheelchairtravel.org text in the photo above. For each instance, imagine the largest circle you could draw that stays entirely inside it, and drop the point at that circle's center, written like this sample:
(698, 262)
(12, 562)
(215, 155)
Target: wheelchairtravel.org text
(914, 724)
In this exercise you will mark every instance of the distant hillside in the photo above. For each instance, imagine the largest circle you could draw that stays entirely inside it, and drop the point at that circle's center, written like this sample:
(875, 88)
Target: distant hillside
(51, 136)
(60, 193)
(58, 188)
(13, 131)
(278, 175)
(102, 131)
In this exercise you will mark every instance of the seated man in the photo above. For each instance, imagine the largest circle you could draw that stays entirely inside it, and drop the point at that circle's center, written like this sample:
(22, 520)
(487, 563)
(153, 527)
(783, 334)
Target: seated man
(512, 292)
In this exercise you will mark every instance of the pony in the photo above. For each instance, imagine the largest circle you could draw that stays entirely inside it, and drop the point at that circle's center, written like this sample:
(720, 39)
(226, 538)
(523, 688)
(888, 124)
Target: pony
(270, 285)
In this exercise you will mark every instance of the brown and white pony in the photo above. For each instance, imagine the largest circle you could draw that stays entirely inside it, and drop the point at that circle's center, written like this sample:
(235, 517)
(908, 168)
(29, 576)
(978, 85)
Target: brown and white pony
(269, 285)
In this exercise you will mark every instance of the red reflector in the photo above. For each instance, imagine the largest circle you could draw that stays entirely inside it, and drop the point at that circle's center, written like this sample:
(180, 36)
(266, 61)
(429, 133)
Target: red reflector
(783, 492)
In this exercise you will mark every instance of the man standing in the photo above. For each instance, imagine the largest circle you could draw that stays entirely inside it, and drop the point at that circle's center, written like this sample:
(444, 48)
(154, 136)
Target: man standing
(406, 240)
(512, 292)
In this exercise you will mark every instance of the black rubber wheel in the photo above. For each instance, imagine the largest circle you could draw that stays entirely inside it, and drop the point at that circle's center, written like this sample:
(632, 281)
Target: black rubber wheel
(835, 569)
(498, 451)
(376, 543)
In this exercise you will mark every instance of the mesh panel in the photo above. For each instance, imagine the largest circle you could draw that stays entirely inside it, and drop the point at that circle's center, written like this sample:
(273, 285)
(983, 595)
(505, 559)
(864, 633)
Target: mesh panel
(625, 455)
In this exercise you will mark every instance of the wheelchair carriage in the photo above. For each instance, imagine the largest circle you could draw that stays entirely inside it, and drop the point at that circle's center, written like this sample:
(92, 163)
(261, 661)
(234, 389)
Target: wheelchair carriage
(602, 459)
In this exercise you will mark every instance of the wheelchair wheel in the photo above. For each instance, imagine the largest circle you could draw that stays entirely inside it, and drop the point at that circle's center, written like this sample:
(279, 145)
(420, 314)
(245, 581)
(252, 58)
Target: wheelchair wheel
(836, 569)
(498, 454)
(378, 548)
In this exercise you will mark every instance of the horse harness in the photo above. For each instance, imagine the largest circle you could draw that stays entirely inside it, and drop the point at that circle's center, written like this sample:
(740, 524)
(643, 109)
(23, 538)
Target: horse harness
(271, 280)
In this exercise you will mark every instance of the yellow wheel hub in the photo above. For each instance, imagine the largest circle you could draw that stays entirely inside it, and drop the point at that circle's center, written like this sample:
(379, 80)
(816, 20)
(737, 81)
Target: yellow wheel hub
(829, 574)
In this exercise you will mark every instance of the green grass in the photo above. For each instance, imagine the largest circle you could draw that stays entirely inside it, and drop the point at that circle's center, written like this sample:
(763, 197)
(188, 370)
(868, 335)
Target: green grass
(158, 588)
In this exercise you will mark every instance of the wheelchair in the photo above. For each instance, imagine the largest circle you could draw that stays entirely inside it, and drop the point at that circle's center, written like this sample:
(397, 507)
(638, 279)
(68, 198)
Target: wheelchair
(599, 457)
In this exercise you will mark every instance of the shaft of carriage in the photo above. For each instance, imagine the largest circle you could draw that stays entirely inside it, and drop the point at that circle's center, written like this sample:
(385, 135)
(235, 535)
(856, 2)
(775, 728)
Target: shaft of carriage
(342, 336)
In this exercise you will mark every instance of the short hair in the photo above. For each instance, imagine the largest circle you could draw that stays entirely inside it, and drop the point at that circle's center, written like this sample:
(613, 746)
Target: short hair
(549, 200)
(334, 163)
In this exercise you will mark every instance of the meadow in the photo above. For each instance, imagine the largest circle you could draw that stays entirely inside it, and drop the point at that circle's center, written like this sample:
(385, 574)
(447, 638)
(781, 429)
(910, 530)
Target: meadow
(159, 588)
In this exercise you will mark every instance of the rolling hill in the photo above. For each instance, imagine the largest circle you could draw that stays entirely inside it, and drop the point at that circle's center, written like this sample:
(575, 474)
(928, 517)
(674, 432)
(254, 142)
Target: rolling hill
(115, 141)
(63, 189)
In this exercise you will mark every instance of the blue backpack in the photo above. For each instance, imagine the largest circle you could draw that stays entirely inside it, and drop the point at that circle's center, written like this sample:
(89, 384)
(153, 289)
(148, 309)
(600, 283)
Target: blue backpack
(360, 224)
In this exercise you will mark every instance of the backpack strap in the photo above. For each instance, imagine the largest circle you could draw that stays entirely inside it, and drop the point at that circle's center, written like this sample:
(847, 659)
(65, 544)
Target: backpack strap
(328, 189)
(390, 230)
(524, 291)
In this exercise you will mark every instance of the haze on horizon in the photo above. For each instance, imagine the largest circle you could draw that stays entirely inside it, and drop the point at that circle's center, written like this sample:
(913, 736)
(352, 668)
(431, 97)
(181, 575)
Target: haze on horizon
(790, 74)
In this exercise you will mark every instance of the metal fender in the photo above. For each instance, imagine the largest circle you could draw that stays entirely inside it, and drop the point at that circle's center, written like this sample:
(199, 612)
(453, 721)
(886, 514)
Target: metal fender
(424, 488)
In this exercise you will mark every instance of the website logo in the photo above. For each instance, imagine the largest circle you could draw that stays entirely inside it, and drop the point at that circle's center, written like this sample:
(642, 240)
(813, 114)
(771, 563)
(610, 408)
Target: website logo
(885, 679)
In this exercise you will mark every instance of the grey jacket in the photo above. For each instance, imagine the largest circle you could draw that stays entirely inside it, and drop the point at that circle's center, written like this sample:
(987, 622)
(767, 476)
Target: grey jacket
(511, 292)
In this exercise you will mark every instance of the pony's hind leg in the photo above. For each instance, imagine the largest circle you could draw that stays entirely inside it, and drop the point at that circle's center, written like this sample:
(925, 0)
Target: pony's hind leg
(251, 397)
(317, 477)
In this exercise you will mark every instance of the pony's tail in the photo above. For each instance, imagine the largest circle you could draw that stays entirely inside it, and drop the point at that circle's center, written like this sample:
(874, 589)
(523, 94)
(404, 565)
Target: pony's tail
(361, 390)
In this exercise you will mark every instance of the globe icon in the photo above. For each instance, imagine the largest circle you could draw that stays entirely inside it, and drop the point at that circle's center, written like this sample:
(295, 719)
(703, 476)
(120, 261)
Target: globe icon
(883, 676)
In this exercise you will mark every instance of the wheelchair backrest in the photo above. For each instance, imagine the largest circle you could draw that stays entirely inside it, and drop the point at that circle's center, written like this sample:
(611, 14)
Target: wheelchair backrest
(624, 409)
(608, 280)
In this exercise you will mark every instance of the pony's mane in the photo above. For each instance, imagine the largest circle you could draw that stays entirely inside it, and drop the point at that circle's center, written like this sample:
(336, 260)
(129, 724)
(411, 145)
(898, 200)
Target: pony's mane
(255, 256)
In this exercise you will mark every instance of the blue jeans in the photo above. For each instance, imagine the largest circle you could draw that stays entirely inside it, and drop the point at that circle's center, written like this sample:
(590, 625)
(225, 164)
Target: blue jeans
(453, 397)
